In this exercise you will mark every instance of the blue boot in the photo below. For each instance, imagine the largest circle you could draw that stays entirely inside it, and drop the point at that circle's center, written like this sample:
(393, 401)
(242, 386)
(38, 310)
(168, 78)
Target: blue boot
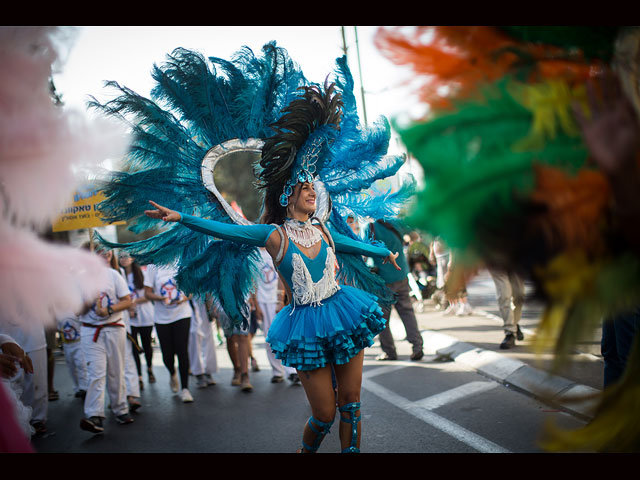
(351, 408)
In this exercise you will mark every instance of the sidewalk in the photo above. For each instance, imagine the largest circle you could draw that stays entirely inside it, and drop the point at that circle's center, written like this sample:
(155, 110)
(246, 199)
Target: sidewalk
(474, 341)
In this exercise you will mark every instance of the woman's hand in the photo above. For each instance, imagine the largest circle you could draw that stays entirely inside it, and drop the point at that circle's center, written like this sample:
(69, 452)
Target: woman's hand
(162, 213)
(11, 353)
(392, 259)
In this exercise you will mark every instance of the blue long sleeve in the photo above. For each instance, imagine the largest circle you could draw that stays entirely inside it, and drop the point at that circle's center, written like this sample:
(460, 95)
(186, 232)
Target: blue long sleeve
(345, 244)
(254, 235)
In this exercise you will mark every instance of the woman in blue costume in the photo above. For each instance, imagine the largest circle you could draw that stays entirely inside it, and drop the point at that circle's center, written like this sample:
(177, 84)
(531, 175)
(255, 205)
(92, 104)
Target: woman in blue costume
(325, 326)
(316, 164)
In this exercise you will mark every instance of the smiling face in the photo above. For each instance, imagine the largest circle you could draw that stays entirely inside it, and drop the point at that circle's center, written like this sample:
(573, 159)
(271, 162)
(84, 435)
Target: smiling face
(303, 199)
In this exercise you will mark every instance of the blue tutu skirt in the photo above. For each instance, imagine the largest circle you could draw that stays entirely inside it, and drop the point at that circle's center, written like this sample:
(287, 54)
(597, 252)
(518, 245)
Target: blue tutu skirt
(308, 337)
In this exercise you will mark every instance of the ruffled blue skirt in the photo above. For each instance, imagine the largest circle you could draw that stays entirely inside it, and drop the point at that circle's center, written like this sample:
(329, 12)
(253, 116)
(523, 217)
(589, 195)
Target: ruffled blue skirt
(308, 337)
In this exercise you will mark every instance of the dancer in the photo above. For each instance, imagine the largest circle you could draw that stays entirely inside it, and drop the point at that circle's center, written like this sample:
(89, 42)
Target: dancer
(315, 160)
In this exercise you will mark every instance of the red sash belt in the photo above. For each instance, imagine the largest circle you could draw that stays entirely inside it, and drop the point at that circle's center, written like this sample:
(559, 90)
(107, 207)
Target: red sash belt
(100, 327)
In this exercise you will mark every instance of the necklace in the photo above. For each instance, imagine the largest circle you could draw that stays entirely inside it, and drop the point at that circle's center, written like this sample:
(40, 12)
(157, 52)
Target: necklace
(302, 233)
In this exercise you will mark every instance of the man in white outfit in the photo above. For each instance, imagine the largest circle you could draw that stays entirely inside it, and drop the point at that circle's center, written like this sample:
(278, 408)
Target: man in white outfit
(268, 303)
(510, 295)
(103, 338)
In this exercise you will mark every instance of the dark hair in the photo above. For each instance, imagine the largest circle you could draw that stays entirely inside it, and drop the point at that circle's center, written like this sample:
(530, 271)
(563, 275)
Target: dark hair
(138, 276)
(302, 116)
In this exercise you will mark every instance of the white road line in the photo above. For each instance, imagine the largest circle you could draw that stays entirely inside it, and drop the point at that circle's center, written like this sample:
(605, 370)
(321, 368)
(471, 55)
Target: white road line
(456, 431)
(440, 399)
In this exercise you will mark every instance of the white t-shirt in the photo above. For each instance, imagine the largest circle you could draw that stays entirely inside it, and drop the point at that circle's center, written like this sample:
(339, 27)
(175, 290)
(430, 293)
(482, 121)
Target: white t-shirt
(69, 327)
(115, 289)
(144, 311)
(267, 288)
(162, 281)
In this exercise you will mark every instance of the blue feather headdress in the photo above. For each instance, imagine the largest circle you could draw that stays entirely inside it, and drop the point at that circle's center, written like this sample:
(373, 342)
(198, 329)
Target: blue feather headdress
(202, 109)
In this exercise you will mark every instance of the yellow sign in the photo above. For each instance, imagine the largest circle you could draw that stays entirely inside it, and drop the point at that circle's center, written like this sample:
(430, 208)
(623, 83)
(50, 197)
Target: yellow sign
(83, 212)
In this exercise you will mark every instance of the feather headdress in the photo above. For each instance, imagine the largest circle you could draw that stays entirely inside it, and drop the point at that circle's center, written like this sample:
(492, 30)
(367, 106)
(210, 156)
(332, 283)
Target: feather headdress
(509, 181)
(204, 109)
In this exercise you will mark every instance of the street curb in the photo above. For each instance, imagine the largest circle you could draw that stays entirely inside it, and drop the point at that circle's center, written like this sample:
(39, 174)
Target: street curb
(552, 389)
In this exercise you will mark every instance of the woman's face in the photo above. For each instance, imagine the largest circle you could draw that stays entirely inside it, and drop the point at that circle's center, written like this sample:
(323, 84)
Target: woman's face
(125, 260)
(305, 202)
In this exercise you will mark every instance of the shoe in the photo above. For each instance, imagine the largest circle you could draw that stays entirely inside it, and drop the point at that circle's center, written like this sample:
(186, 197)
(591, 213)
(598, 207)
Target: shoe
(277, 379)
(209, 379)
(386, 356)
(53, 395)
(254, 365)
(519, 334)
(450, 310)
(235, 381)
(173, 383)
(152, 378)
(464, 309)
(508, 342)
(295, 379)
(185, 396)
(92, 424)
(417, 356)
(81, 394)
(246, 385)
(124, 419)
(134, 403)
(141, 382)
(39, 428)
(201, 381)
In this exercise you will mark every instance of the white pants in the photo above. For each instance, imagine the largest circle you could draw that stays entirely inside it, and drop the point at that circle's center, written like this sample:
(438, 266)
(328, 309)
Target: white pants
(268, 314)
(131, 379)
(202, 347)
(35, 389)
(76, 364)
(510, 294)
(105, 367)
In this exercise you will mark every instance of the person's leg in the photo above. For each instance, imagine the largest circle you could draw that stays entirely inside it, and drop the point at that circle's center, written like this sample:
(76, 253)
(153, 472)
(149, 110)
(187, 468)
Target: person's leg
(145, 341)
(385, 337)
(518, 296)
(135, 333)
(349, 378)
(318, 388)
(36, 393)
(404, 307)
(504, 299)
(115, 342)
(166, 346)
(269, 312)
(96, 364)
(180, 336)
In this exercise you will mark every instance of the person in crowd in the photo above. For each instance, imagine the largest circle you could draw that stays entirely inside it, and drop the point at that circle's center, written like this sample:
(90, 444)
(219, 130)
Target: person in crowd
(390, 233)
(172, 317)
(202, 347)
(69, 327)
(103, 339)
(141, 316)
(510, 294)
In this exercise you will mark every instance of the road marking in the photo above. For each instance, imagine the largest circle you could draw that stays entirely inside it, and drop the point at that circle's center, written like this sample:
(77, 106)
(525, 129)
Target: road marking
(417, 410)
(440, 399)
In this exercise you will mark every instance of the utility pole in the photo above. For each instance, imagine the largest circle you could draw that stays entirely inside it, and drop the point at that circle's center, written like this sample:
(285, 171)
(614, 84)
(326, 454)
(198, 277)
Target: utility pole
(364, 107)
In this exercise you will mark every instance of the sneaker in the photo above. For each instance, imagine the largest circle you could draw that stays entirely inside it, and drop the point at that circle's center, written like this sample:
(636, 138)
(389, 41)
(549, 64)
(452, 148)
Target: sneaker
(235, 381)
(92, 424)
(294, 378)
(464, 309)
(134, 403)
(185, 396)
(201, 381)
(450, 310)
(277, 379)
(386, 356)
(209, 379)
(39, 428)
(508, 342)
(124, 419)
(81, 394)
(519, 334)
(173, 383)
(246, 384)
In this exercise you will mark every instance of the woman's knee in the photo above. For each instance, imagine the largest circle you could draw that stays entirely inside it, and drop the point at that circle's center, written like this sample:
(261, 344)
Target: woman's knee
(325, 413)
